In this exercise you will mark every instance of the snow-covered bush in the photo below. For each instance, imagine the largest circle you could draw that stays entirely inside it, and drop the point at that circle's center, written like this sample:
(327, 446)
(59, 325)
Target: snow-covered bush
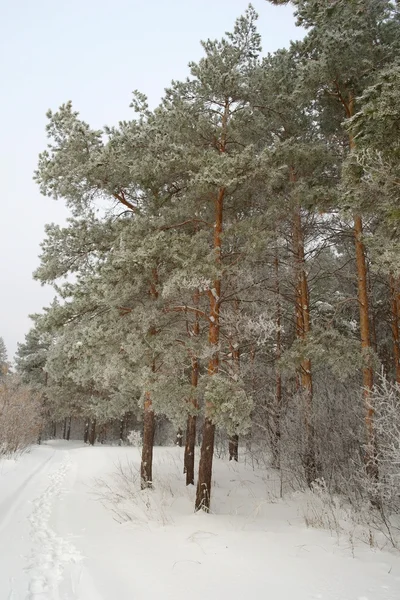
(134, 438)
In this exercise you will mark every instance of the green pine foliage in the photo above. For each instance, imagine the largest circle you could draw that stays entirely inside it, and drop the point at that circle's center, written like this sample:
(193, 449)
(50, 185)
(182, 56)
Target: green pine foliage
(135, 267)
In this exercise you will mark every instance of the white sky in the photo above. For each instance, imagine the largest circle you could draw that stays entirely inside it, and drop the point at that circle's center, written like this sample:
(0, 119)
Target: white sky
(93, 52)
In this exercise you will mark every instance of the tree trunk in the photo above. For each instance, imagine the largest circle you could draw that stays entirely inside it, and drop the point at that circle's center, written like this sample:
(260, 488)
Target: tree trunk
(362, 286)
(69, 429)
(179, 438)
(234, 448)
(277, 408)
(146, 467)
(65, 428)
(92, 433)
(86, 432)
(303, 326)
(189, 449)
(121, 431)
(192, 418)
(205, 468)
(368, 380)
(395, 326)
(54, 430)
(203, 491)
(235, 353)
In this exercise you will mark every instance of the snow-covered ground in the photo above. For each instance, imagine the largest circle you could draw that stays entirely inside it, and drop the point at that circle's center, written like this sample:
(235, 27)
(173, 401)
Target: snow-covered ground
(73, 528)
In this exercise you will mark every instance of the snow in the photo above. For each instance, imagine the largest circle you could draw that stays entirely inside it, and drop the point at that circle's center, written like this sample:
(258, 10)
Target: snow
(65, 535)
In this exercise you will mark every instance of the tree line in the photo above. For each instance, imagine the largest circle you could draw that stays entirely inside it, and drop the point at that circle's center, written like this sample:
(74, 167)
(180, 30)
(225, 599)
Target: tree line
(231, 257)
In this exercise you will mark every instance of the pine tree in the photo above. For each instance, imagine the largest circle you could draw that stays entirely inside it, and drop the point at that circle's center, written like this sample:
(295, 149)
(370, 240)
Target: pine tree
(3, 358)
(346, 44)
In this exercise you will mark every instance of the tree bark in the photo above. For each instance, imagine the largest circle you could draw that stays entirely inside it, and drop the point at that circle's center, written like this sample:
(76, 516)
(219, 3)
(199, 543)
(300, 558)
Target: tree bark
(146, 467)
(234, 448)
(122, 423)
(303, 326)
(69, 429)
(86, 432)
(235, 354)
(190, 449)
(92, 433)
(179, 438)
(203, 491)
(277, 408)
(65, 428)
(394, 296)
(192, 418)
(365, 333)
(368, 380)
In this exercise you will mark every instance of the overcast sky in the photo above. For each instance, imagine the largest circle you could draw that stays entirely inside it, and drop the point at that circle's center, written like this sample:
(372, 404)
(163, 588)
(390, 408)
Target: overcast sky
(93, 52)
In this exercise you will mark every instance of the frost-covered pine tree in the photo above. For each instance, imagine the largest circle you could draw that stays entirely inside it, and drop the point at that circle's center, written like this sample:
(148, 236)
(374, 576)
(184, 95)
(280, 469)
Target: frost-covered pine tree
(3, 359)
(346, 44)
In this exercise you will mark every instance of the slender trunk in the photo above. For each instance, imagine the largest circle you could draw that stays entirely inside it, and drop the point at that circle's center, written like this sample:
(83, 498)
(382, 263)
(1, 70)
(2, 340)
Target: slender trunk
(277, 408)
(92, 434)
(395, 326)
(207, 447)
(146, 467)
(253, 392)
(192, 418)
(69, 429)
(234, 448)
(54, 430)
(235, 353)
(86, 432)
(65, 428)
(368, 381)
(203, 490)
(365, 333)
(121, 431)
(189, 449)
(303, 326)
(179, 438)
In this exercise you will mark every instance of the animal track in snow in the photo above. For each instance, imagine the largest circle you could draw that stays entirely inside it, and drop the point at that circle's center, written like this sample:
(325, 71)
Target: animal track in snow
(50, 552)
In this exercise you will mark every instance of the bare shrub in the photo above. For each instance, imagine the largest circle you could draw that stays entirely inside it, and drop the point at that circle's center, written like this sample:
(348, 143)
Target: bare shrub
(20, 416)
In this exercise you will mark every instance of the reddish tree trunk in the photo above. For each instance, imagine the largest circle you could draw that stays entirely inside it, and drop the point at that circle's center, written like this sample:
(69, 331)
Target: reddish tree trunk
(189, 449)
(192, 419)
(92, 434)
(69, 429)
(86, 432)
(303, 326)
(395, 326)
(368, 380)
(234, 448)
(179, 438)
(207, 447)
(146, 467)
(277, 408)
(362, 286)
(203, 491)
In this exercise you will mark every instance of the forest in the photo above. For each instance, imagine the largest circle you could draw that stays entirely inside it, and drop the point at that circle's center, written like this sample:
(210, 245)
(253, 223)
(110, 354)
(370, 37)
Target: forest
(229, 274)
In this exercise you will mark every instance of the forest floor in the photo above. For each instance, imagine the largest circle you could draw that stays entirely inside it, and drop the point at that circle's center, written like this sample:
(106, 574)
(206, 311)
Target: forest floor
(74, 527)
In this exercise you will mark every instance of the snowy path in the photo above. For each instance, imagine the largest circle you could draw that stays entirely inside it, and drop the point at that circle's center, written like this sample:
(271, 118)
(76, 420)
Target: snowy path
(58, 542)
